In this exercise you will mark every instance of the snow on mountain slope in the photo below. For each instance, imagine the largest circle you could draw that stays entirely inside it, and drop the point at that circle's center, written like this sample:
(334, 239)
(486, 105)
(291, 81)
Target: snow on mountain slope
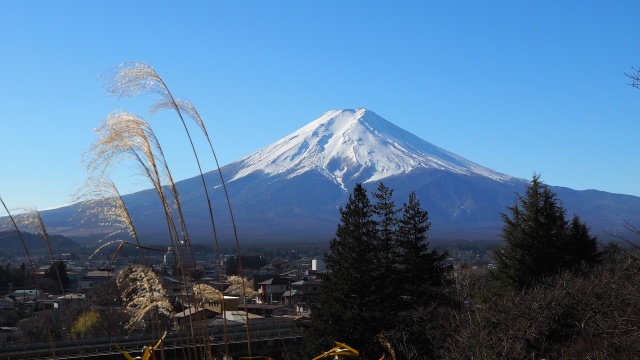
(355, 145)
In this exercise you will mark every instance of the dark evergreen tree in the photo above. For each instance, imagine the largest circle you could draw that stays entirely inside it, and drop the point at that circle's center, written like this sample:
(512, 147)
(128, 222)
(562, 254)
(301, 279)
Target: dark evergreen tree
(539, 242)
(12, 278)
(579, 246)
(57, 273)
(345, 311)
(386, 280)
(380, 272)
(387, 222)
(422, 270)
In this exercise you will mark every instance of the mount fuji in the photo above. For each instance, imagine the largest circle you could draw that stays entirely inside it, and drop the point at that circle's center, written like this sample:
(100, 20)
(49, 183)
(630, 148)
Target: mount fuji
(348, 146)
(292, 189)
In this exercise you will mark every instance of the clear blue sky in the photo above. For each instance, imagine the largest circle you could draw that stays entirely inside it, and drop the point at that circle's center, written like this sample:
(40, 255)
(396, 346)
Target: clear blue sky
(520, 87)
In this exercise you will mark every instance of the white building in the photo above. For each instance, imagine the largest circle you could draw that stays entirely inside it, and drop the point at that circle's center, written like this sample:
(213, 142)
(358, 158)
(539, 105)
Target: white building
(318, 265)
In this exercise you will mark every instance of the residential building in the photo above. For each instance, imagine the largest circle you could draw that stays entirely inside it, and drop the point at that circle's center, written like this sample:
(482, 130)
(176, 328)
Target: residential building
(271, 290)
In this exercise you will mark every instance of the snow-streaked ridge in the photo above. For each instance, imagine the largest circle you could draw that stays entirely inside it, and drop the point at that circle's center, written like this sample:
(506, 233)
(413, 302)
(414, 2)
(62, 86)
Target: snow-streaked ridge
(356, 145)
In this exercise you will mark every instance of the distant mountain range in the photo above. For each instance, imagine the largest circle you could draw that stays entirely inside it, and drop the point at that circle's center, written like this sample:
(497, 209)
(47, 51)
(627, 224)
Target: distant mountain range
(292, 189)
(12, 243)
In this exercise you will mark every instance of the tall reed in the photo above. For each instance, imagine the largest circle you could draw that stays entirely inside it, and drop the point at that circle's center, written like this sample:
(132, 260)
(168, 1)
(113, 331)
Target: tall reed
(32, 219)
(137, 78)
(142, 291)
(101, 202)
(31, 266)
(125, 136)
(121, 137)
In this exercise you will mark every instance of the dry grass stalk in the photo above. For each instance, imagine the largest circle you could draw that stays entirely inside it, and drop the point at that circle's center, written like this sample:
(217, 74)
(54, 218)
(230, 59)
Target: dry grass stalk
(139, 78)
(123, 136)
(183, 106)
(135, 78)
(239, 285)
(141, 290)
(31, 266)
(126, 136)
(32, 219)
(101, 201)
(206, 291)
(387, 345)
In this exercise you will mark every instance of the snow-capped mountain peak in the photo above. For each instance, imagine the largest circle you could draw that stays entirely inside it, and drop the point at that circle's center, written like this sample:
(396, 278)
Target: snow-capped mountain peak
(354, 145)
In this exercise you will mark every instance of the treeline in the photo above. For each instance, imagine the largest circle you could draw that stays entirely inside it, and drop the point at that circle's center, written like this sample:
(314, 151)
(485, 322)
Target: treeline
(15, 277)
(52, 281)
(253, 262)
(551, 294)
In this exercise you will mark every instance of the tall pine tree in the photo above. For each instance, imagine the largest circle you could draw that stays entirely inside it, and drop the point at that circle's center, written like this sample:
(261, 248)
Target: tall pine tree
(421, 269)
(387, 222)
(387, 279)
(379, 268)
(579, 246)
(57, 273)
(539, 242)
(345, 311)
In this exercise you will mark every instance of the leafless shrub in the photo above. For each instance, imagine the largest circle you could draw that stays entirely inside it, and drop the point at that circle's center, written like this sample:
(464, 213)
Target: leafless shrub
(593, 315)
(418, 333)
